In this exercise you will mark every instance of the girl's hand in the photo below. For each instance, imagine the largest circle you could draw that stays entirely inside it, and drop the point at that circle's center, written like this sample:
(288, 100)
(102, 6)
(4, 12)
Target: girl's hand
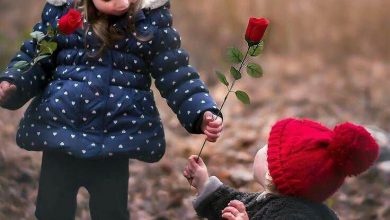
(211, 126)
(6, 89)
(235, 211)
(196, 172)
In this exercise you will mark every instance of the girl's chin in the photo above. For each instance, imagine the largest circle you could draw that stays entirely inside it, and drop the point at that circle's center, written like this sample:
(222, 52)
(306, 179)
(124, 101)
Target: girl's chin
(122, 12)
(117, 14)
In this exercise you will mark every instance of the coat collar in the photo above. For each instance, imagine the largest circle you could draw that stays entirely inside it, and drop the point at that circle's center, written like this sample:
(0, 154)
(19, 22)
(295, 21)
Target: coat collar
(152, 4)
(57, 2)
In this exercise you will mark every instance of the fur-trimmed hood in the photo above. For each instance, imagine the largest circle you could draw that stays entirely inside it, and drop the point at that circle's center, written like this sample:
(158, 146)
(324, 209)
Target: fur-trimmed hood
(57, 2)
(152, 4)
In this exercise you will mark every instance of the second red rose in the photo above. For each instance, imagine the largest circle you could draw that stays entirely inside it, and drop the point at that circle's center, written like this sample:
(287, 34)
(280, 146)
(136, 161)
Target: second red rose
(70, 22)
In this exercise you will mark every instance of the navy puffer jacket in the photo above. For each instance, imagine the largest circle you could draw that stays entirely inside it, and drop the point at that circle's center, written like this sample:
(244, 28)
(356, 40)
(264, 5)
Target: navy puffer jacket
(101, 107)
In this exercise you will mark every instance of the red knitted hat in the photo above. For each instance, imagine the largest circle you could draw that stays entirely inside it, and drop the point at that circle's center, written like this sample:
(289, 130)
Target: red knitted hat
(308, 160)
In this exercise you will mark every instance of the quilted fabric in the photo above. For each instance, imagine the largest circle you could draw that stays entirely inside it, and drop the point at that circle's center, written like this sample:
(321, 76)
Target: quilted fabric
(101, 107)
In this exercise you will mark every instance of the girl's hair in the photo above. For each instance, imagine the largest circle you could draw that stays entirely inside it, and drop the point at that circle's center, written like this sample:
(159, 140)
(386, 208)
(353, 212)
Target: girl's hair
(269, 185)
(103, 25)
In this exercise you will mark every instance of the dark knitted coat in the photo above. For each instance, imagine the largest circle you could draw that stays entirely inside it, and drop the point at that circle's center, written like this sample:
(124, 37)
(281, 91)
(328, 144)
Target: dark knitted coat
(95, 108)
(268, 208)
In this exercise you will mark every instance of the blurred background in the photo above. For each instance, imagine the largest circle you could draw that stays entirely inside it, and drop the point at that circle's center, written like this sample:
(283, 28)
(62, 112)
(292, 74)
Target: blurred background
(325, 60)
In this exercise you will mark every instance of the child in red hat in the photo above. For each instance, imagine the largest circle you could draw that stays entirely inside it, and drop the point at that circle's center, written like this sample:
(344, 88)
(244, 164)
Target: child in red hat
(303, 164)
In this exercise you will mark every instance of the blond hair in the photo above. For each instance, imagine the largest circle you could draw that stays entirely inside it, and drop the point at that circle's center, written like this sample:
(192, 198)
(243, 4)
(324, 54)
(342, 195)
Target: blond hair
(269, 185)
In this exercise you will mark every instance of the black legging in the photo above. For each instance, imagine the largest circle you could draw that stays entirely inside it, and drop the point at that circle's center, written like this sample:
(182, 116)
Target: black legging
(61, 177)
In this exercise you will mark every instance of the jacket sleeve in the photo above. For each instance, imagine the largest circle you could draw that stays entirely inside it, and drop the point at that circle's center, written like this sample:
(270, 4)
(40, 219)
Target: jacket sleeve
(177, 81)
(210, 203)
(33, 80)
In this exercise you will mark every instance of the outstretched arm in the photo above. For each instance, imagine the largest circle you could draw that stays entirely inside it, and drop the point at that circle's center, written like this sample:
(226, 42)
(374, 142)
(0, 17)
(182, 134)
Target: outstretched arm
(213, 196)
(177, 81)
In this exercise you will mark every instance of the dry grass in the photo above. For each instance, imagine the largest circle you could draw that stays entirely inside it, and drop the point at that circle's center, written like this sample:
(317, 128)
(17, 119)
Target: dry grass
(335, 29)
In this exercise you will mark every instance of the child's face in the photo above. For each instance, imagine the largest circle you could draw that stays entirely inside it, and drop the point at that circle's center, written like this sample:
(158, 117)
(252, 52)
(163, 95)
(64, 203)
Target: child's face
(113, 7)
(260, 166)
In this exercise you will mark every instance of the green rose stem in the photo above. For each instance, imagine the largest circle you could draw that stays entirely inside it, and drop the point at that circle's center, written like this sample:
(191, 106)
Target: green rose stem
(256, 50)
(66, 25)
(44, 48)
(225, 99)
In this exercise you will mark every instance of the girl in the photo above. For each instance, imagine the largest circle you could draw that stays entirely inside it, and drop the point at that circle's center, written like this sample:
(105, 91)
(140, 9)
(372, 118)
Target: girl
(303, 164)
(94, 108)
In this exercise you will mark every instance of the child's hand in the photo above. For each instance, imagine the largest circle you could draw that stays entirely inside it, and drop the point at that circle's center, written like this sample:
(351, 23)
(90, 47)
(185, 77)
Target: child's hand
(6, 89)
(196, 172)
(212, 126)
(235, 211)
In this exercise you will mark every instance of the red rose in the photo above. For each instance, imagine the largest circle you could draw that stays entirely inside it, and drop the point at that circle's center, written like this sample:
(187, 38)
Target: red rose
(255, 30)
(70, 22)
